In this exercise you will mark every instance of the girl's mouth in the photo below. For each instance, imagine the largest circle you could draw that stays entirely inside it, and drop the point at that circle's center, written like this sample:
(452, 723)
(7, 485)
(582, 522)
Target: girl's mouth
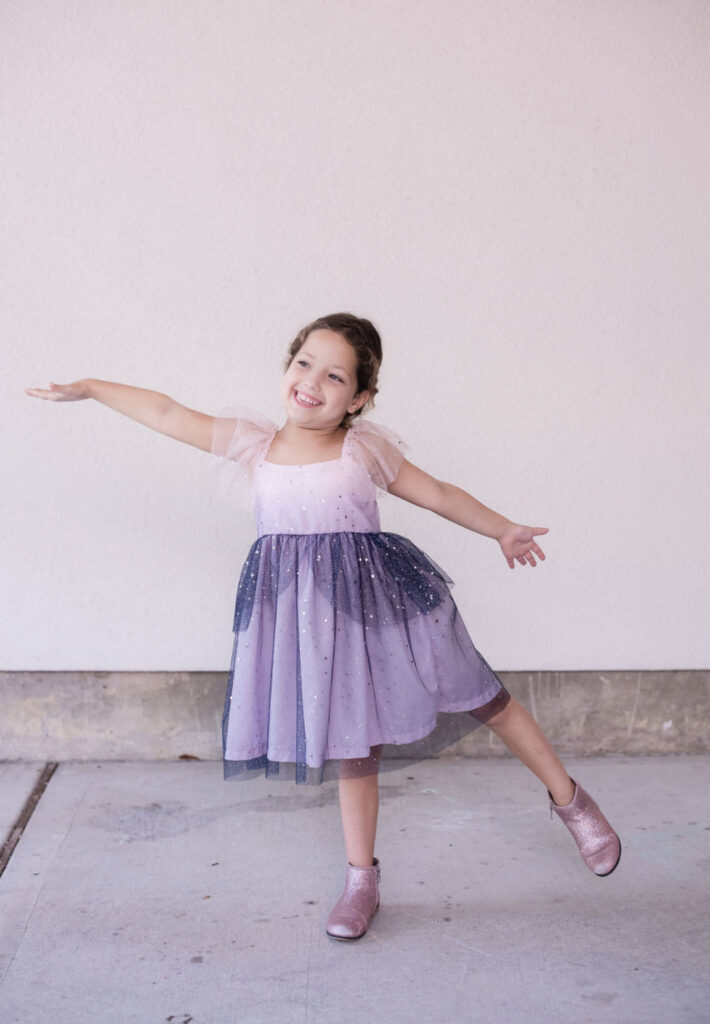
(305, 401)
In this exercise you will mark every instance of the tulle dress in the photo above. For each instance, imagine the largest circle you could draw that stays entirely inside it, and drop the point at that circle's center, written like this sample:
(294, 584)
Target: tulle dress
(345, 637)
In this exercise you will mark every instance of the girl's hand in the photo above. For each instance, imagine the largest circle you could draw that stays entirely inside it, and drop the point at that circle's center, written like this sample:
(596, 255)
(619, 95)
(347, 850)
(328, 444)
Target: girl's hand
(73, 392)
(517, 544)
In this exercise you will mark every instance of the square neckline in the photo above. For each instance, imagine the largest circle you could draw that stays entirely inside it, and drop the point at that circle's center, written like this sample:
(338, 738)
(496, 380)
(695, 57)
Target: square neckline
(303, 465)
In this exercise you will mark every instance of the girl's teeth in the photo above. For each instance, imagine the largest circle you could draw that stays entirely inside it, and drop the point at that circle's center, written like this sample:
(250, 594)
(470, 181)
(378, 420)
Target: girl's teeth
(306, 401)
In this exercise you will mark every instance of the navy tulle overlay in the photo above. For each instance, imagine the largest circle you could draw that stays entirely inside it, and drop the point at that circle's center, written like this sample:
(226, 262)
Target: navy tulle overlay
(350, 656)
(387, 606)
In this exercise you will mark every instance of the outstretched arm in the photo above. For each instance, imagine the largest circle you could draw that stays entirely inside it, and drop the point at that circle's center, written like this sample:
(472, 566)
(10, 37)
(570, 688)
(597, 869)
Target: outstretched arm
(517, 542)
(151, 408)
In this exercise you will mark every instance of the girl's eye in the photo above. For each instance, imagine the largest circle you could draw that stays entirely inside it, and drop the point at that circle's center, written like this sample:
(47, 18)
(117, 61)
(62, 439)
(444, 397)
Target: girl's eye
(304, 362)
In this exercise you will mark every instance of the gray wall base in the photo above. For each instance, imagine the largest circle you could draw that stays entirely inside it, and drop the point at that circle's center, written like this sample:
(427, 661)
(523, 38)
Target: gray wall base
(62, 716)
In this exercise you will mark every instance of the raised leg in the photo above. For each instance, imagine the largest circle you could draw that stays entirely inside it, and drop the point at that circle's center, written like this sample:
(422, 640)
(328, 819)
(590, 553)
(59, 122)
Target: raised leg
(517, 728)
(596, 840)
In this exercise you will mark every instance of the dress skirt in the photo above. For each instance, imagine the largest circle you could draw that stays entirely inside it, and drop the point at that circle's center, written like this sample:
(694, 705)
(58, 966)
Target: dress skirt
(344, 642)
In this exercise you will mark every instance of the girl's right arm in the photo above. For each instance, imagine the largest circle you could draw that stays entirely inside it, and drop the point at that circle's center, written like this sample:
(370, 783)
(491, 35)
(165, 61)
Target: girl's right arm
(151, 408)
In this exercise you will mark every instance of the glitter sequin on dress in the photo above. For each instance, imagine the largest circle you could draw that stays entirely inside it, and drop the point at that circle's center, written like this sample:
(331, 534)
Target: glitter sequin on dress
(345, 637)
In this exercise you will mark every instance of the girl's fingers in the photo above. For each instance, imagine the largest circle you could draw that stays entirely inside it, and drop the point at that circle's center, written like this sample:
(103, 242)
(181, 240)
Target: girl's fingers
(527, 557)
(57, 392)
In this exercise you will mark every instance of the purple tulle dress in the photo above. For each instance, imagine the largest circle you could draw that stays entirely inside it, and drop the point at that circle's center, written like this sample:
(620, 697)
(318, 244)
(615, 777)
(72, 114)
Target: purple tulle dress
(345, 637)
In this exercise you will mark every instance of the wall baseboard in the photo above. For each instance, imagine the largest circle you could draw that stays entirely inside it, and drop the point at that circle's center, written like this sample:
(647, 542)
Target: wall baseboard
(69, 716)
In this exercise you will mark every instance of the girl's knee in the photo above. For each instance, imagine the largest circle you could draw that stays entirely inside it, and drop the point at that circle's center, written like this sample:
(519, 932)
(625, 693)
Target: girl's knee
(499, 719)
(497, 711)
(362, 767)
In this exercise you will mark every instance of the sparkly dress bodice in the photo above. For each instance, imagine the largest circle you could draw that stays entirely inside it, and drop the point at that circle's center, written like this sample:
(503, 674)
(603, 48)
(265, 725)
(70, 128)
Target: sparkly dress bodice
(323, 497)
(334, 496)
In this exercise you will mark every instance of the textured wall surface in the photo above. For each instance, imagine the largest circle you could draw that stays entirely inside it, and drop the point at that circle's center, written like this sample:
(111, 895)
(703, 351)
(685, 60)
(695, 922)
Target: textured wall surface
(58, 716)
(515, 193)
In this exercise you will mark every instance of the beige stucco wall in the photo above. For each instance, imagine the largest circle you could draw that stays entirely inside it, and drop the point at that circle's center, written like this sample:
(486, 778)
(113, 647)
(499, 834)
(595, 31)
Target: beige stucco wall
(515, 193)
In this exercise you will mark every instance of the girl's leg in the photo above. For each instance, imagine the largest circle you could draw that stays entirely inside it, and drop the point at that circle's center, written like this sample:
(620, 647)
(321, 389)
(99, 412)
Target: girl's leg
(517, 728)
(597, 841)
(359, 803)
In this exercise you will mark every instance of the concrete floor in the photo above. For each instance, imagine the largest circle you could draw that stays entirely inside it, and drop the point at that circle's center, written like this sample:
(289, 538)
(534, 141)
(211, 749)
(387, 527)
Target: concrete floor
(152, 892)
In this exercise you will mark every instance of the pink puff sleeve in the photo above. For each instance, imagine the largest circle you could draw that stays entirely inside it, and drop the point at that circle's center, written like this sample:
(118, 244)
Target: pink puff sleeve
(240, 437)
(378, 449)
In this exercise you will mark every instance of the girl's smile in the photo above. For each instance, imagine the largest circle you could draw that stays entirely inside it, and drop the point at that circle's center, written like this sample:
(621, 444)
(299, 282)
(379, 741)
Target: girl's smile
(306, 400)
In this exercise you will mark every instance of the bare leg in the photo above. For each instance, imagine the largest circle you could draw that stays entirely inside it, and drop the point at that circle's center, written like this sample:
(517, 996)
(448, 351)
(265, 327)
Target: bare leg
(517, 728)
(359, 803)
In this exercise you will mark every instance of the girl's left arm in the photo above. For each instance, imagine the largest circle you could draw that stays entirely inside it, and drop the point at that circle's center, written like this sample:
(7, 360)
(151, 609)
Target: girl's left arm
(517, 542)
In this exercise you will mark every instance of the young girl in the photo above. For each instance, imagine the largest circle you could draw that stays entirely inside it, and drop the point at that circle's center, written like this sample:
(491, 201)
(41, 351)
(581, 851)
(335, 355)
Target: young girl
(347, 638)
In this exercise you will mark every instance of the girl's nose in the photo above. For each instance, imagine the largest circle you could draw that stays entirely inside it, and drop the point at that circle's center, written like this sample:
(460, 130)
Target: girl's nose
(312, 379)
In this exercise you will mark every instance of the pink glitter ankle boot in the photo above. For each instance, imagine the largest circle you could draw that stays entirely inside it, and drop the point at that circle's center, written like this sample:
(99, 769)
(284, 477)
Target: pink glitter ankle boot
(352, 913)
(598, 843)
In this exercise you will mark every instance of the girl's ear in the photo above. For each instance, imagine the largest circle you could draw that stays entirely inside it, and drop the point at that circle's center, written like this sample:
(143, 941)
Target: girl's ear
(358, 401)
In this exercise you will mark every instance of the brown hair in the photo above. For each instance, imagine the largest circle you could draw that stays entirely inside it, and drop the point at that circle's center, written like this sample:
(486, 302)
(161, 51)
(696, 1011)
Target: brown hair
(362, 336)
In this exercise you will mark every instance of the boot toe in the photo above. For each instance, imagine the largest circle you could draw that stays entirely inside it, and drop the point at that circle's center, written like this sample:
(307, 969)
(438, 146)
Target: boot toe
(607, 859)
(343, 930)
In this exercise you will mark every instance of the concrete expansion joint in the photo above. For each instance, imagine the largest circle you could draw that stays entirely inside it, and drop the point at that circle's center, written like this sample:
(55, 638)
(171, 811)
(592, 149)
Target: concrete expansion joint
(18, 827)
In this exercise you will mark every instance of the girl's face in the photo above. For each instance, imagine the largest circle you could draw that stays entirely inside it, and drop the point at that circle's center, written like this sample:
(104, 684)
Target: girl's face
(319, 387)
